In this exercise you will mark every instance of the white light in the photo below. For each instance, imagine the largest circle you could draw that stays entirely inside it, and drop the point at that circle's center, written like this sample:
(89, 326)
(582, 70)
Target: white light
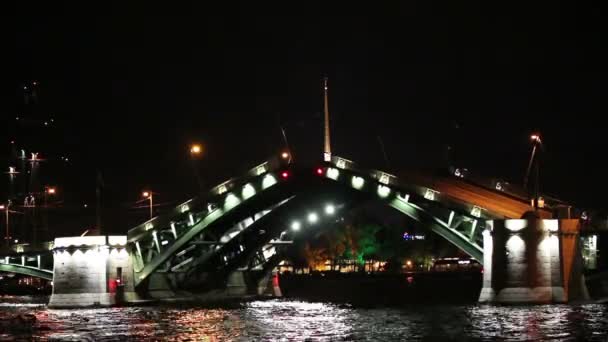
(221, 189)
(80, 240)
(405, 198)
(330, 209)
(296, 225)
(429, 195)
(117, 240)
(231, 200)
(516, 225)
(268, 181)
(149, 226)
(248, 191)
(357, 182)
(476, 211)
(551, 225)
(313, 217)
(515, 244)
(261, 169)
(383, 191)
(341, 163)
(327, 157)
(333, 173)
(384, 179)
(185, 208)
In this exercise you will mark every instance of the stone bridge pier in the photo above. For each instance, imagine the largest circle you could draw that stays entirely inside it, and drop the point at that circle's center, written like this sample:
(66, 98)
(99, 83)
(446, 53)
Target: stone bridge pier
(91, 271)
(533, 261)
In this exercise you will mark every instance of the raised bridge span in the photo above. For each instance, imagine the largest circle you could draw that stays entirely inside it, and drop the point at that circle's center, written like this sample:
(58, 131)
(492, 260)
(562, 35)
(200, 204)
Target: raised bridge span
(227, 241)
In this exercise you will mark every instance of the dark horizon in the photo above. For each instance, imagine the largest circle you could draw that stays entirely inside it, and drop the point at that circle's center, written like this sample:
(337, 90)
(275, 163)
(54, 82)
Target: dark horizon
(129, 91)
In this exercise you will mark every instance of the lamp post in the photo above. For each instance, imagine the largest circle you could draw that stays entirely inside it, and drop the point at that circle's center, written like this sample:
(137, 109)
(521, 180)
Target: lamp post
(536, 145)
(196, 151)
(149, 195)
(48, 191)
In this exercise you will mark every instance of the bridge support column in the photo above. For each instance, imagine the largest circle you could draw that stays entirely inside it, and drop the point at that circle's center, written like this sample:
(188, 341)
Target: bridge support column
(91, 271)
(532, 261)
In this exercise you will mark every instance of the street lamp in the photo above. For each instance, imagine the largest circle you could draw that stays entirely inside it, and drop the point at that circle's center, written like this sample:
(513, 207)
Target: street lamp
(196, 150)
(149, 196)
(49, 190)
(536, 144)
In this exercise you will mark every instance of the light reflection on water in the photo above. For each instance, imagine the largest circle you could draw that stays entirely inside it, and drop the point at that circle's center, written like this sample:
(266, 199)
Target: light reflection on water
(290, 320)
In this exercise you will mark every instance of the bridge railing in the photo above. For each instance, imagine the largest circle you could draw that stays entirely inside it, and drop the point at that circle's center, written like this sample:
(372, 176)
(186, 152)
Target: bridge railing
(155, 240)
(26, 248)
(410, 188)
(200, 206)
(444, 214)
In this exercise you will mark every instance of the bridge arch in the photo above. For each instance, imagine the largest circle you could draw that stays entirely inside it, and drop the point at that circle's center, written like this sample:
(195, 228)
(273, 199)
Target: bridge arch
(169, 243)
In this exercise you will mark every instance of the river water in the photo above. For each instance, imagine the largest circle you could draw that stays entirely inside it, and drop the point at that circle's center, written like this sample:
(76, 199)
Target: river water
(293, 320)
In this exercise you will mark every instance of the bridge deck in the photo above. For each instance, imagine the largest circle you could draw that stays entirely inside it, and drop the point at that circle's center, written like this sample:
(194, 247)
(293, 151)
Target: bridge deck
(493, 201)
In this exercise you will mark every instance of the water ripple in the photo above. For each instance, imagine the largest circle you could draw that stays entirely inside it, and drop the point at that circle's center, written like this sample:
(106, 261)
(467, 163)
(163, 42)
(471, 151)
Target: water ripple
(290, 320)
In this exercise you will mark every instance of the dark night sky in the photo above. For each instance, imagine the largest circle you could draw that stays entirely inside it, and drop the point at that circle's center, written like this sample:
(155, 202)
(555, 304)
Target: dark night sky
(131, 87)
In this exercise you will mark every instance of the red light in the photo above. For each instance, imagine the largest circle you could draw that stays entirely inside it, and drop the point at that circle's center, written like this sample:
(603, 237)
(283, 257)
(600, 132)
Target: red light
(319, 171)
(285, 174)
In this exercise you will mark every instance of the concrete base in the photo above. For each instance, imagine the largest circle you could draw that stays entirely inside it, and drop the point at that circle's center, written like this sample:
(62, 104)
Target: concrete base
(91, 271)
(532, 261)
(523, 295)
(83, 300)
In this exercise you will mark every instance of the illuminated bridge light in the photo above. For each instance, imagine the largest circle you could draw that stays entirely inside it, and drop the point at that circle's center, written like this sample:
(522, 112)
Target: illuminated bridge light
(515, 244)
(313, 217)
(268, 181)
(516, 225)
(248, 191)
(476, 211)
(429, 194)
(330, 209)
(341, 163)
(231, 200)
(357, 182)
(296, 225)
(185, 208)
(551, 225)
(405, 198)
(384, 178)
(149, 226)
(383, 191)
(260, 170)
(221, 189)
(333, 173)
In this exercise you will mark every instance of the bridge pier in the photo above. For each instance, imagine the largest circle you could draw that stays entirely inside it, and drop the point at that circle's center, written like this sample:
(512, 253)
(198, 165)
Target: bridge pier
(532, 261)
(91, 271)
